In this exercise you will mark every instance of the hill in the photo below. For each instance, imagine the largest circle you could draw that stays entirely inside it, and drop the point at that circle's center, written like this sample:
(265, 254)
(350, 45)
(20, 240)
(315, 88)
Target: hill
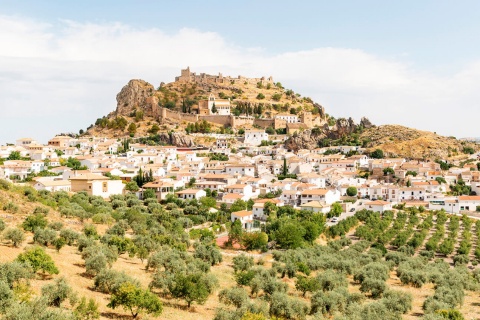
(172, 109)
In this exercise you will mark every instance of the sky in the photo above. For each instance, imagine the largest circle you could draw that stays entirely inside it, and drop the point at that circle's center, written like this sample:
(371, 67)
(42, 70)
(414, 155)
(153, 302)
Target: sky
(413, 63)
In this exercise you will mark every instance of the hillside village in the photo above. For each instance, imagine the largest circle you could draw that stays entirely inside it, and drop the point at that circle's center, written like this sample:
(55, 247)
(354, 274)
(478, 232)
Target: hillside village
(312, 180)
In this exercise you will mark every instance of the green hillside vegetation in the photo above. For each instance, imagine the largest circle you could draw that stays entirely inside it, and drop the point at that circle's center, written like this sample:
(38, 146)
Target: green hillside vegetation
(352, 275)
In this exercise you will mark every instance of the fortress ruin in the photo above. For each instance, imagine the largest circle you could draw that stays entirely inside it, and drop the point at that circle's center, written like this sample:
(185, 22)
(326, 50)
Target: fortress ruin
(187, 76)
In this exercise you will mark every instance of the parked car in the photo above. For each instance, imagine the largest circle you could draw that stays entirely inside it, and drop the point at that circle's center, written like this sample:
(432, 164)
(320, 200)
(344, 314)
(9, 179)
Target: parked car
(353, 209)
(335, 219)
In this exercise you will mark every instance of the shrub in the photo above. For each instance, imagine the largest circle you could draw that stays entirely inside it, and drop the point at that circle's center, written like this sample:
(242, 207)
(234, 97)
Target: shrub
(38, 260)
(10, 207)
(15, 235)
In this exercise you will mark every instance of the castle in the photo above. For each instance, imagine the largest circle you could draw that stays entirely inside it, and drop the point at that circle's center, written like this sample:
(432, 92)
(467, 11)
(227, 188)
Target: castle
(187, 76)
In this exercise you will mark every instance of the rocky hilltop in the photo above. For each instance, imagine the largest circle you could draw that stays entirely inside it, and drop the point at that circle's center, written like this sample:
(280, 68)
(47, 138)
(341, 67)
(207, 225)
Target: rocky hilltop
(135, 95)
(141, 111)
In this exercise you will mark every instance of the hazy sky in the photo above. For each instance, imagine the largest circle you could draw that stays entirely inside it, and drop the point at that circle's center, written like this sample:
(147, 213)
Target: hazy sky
(415, 63)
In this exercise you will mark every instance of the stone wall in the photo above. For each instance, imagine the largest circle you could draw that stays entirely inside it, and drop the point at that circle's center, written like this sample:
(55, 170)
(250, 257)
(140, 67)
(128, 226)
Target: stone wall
(170, 114)
(242, 121)
(264, 123)
(221, 120)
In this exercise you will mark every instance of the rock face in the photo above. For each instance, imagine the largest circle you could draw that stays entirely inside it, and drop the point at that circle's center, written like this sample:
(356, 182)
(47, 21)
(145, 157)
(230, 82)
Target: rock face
(304, 140)
(177, 139)
(365, 123)
(309, 139)
(137, 95)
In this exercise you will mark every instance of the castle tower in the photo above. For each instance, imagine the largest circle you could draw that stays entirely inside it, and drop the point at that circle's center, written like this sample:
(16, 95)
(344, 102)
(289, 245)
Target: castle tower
(307, 119)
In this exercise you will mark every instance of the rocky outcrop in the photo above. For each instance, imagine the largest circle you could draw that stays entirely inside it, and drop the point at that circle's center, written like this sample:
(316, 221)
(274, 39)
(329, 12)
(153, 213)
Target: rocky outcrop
(137, 95)
(365, 123)
(309, 139)
(321, 110)
(341, 128)
(177, 139)
(304, 140)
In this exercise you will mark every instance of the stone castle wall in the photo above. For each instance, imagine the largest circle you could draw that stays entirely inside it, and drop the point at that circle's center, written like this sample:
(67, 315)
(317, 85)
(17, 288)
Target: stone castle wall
(188, 76)
(264, 123)
(221, 120)
(170, 114)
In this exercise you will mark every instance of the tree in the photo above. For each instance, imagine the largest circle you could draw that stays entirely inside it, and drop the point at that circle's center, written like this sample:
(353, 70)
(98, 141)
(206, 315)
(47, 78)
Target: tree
(136, 300)
(276, 96)
(236, 296)
(132, 128)
(290, 235)
(87, 311)
(132, 186)
(34, 221)
(441, 180)
(15, 235)
(149, 194)
(14, 155)
(352, 191)
(193, 287)
(235, 233)
(306, 284)
(398, 301)
(238, 205)
(38, 259)
(270, 130)
(57, 292)
(12, 273)
(154, 129)
(260, 96)
(255, 240)
(335, 210)
(388, 171)
(242, 263)
(377, 154)
(214, 108)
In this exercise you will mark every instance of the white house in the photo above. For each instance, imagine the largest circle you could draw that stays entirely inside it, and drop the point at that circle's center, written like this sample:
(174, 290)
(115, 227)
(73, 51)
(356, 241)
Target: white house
(241, 169)
(222, 105)
(316, 206)
(245, 217)
(411, 194)
(96, 185)
(254, 137)
(468, 203)
(161, 188)
(288, 118)
(53, 185)
(190, 194)
(244, 189)
(258, 207)
(328, 196)
(378, 206)
(313, 178)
